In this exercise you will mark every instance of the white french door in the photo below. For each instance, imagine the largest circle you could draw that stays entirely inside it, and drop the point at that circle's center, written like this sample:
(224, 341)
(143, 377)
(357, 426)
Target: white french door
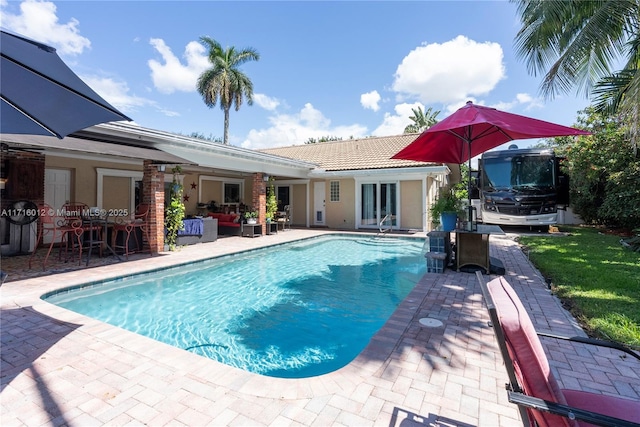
(57, 190)
(377, 200)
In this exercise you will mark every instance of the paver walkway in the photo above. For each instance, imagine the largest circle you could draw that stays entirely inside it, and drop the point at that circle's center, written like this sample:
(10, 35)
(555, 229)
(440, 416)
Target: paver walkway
(61, 368)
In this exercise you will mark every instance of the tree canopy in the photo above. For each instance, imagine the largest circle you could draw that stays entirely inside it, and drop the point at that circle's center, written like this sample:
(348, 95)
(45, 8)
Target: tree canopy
(422, 120)
(224, 82)
(327, 138)
(604, 172)
(577, 44)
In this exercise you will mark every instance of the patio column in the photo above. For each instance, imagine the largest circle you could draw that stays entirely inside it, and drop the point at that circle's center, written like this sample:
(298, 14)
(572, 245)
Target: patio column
(259, 199)
(153, 195)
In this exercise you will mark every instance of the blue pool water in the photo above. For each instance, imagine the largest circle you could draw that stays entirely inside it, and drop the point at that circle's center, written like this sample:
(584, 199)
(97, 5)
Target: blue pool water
(295, 310)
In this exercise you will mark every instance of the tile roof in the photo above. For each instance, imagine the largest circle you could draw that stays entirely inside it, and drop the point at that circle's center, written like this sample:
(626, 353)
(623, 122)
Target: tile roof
(352, 154)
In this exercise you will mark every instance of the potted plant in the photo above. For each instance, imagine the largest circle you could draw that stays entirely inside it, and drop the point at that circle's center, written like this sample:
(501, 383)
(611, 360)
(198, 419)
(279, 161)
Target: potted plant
(251, 217)
(445, 209)
(272, 202)
(174, 212)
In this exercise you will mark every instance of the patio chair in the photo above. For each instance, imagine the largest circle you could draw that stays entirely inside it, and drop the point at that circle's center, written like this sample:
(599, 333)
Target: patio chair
(127, 227)
(55, 227)
(532, 385)
(87, 235)
(285, 219)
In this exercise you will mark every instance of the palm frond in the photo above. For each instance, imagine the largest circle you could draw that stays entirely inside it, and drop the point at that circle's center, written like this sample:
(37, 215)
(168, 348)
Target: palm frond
(224, 83)
(573, 41)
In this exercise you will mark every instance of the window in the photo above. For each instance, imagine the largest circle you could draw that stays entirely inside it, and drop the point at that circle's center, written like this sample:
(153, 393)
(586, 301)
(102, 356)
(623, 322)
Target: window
(231, 193)
(334, 191)
(282, 192)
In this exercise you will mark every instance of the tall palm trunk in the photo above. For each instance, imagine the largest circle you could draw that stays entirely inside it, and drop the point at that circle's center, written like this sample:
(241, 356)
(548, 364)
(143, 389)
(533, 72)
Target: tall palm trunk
(226, 126)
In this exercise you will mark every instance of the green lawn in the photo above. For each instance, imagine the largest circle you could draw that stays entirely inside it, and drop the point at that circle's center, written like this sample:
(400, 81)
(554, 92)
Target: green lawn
(595, 276)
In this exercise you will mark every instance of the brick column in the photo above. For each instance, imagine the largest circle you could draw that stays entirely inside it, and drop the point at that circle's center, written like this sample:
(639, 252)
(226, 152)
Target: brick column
(153, 195)
(259, 199)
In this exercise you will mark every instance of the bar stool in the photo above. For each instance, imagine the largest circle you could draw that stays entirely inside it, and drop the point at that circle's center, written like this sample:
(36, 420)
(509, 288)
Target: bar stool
(126, 228)
(55, 227)
(86, 235)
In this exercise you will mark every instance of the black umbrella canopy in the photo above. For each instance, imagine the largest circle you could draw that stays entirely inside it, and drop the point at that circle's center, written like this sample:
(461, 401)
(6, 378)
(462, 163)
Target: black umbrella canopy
(41, 95)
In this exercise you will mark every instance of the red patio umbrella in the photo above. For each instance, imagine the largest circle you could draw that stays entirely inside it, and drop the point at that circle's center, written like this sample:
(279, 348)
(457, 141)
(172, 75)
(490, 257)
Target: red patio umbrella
(474, 129)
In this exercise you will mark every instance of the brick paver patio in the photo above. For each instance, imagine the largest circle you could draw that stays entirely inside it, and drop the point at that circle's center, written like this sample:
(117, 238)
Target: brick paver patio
(63, 369)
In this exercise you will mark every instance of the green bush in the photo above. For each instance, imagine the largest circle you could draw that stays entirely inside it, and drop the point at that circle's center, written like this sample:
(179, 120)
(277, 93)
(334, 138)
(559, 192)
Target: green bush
(604, 172)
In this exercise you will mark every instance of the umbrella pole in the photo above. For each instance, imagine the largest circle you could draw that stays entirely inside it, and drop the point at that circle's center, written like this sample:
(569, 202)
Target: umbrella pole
(469, 182)
(469, 207)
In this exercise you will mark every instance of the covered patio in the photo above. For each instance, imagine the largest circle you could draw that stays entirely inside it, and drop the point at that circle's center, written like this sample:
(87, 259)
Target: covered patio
(61, 368)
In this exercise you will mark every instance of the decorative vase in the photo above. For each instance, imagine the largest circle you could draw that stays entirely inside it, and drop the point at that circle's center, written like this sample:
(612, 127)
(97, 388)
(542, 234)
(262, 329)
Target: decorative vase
(448, 221)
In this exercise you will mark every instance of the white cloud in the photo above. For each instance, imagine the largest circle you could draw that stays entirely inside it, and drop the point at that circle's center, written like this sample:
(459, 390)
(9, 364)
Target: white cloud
(450, 72)
(38, 20)
(370, 100)
(531, 102)
(453, 107)
(172, 75)
(521, 100)
(293, 129)
(266, 102)
(394, 124)
(117, 94)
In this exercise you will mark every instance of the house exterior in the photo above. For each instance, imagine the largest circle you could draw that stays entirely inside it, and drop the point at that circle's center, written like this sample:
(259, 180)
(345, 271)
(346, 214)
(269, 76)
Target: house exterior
(116, 166)
(356, 183)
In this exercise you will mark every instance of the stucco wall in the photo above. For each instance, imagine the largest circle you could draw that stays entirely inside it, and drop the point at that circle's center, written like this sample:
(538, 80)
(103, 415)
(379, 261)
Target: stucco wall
(298, 200)
(411, 204)
(117, 193)
(190, 192)
(341, 214)
(84, 179)
(211, 190)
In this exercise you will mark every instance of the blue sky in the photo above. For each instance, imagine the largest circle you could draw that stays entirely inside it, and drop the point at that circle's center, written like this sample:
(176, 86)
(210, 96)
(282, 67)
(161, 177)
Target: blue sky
(333, 68)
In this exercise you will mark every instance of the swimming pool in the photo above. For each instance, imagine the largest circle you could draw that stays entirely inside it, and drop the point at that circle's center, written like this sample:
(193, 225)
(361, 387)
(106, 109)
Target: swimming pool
(295, 310)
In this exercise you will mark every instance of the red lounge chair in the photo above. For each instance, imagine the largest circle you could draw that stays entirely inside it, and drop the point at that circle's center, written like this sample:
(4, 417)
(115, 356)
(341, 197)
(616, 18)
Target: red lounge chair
(532, 385)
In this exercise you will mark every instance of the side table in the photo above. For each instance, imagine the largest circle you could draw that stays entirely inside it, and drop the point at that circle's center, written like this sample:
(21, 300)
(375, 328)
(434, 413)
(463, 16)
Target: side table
(251, 230)
(272, 228)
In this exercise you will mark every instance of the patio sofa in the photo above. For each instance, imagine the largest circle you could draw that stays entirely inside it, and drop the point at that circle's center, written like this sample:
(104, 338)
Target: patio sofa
(228, 223)
(198, 230)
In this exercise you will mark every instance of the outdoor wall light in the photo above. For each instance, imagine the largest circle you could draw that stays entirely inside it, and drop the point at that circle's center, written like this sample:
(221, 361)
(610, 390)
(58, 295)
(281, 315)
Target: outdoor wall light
(161, 168)
(265, 177)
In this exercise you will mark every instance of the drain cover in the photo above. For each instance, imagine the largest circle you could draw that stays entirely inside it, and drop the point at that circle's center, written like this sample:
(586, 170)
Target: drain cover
(430, 323)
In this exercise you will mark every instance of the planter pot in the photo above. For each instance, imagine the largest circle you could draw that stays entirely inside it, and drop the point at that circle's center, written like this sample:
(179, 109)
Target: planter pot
(252, 221)
(448, 221)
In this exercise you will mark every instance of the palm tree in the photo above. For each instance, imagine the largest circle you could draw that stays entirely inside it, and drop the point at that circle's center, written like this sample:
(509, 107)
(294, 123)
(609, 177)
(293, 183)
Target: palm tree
(224, 81)
(576, 43)
(421, 120)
